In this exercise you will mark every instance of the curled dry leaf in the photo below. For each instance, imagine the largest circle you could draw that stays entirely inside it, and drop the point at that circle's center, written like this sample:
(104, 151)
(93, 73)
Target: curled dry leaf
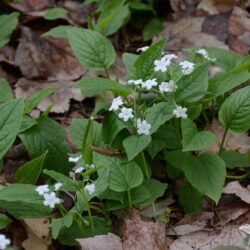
(109, 241)
(46, 58)
(138, 234)
(60, 100)
(234, 187)
(38, 231)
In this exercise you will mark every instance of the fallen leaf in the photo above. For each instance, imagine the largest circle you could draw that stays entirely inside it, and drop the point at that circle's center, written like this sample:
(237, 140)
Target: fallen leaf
(138, 234)
(29, 5)
(60, 100)
(234, 187)
(38, 234)
(109, 242)
(46, 58)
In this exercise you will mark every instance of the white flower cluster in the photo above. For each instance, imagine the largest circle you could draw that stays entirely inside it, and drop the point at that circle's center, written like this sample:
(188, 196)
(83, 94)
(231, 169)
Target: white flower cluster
(4, 242)
(205, 54)
(50, 198)
(164, 62)
(167, 86)
(187, 67)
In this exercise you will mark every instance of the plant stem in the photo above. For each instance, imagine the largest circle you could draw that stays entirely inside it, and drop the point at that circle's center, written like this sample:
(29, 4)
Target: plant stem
(129, 198)
(145, 166)
(238, 177)
(106, 72)
(223, 141)
(89, 214)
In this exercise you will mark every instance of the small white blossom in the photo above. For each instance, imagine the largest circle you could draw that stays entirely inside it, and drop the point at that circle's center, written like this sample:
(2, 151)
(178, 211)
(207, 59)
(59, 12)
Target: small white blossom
(58, 186)
(149, 84)
(126, 114)
(187, 67)
(92, 166)
(180, 112)
(42, 189)
(205, 54)
(90, 188)
(245, 228)
(4, 242)
(168, 86)
(135, 82)
(51, 200)
(79, 170)
(161, 65)
(143, 127)
(142, 49)
(170, 57)
(116, 103)
(74, 158)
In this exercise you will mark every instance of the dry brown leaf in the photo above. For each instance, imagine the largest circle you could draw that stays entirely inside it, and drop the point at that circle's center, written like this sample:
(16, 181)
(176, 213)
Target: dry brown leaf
(234, 142)
(46, 58)
(60, 100)
(99, 242)
(29, 5)
(138, 234)
(234, 187)
(38, 231)
(203, 240)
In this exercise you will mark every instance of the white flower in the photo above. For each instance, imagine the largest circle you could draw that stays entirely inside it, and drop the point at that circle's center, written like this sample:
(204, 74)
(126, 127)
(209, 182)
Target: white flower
(170, 57)
(58, 186)
(142, 49)
(74, 158)
(245, 228)
(79, 170)
(161, 65)
(42, 189)
(180, 112)
(204, 53)
(126, 114)
(135, 82)
(92, 166)
(4, 242)
(149, 84)
(187, 67)
(51, 200)
(116, 103)
(168, 86)
(143, 127)
(90, 188)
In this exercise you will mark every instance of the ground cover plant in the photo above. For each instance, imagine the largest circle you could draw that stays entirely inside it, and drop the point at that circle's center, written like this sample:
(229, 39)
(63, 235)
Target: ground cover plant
(158, 114)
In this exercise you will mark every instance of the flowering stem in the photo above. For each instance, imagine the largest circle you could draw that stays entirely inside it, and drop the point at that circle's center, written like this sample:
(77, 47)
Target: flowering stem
(223, 141)
(145, 166)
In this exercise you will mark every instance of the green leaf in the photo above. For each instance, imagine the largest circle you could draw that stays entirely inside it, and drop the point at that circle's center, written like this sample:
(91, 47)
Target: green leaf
(235, 159)
(10, 121)
(36, 98)
(152, 28)
(27, 122)
(22, 201)
(129, 60)
(48, 135)
(4, 221)
(92, 49)
(139, 195)
(78, 130)
(144, 65)
(58, 32)
(193, 87)
(55, 13)
(112, 125)
(190, 199)
(68, 184)
(194, 140)
(158, 114)
(234, 113)
(206, 173)
(123, 176)
(30, 171)
(113, 16)
(58, 224)
(141, 6)
(6, 93)
(7, 24)
(223, 82)
(155, 146)
(135, 144)
(94, 86)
